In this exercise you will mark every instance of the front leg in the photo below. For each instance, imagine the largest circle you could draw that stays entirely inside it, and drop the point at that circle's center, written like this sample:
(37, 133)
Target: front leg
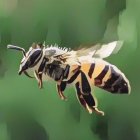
(60, 89)
(39, 73)
(39, 79)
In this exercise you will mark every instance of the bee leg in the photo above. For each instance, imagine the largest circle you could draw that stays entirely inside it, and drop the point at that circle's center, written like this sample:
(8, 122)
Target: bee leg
(81, 99)
(40, 84)
(86, 92)
(92, 104)
(60, 89)
(39, 79)
(98, 111)
(40, 72)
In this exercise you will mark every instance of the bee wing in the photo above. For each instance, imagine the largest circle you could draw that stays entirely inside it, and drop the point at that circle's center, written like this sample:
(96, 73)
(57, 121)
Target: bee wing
(101, 51)
(107, 49)
(97, 51)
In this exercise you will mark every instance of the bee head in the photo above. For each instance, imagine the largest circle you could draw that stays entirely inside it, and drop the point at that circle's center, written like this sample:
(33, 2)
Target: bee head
(30, 58)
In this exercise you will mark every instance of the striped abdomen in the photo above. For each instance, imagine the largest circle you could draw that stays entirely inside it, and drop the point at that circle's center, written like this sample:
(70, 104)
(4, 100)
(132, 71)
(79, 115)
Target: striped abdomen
(108, 77)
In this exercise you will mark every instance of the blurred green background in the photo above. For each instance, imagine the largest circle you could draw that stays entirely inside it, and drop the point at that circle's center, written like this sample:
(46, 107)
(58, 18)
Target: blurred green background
(28, 113)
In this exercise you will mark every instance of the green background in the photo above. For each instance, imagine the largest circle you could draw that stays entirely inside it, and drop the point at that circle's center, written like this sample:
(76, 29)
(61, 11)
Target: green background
(28, 113)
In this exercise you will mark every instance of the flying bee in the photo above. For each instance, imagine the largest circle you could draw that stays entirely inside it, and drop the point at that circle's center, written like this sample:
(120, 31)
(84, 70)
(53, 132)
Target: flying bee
(84, 68)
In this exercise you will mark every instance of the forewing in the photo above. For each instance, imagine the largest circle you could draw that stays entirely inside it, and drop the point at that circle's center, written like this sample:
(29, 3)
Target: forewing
(101, 51)
(108, 49)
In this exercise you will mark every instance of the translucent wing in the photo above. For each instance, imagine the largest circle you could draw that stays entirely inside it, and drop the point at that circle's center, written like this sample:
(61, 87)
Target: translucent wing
(82, 55)
(101, 51)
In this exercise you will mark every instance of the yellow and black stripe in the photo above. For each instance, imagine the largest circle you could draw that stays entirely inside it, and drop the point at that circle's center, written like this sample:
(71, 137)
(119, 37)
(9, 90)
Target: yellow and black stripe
(109, 78)
(100, 74)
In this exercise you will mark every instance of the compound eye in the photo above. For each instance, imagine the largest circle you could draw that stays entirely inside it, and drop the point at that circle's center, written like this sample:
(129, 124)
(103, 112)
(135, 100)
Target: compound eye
(34, 57)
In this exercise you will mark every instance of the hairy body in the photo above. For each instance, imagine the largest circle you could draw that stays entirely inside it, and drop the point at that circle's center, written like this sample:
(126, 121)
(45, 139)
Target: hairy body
(84, 69)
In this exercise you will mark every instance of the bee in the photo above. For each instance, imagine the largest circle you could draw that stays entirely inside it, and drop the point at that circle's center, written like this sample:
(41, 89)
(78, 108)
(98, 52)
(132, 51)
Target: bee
(84, 68)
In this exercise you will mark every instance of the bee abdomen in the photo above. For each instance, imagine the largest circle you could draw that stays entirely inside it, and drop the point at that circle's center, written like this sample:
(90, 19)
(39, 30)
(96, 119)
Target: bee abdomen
(116, 81)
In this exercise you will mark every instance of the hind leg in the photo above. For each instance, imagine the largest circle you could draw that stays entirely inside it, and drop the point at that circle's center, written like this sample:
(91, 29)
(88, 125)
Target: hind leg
(87, 101)
(81, 99)
(86, 93)
(92, 104)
